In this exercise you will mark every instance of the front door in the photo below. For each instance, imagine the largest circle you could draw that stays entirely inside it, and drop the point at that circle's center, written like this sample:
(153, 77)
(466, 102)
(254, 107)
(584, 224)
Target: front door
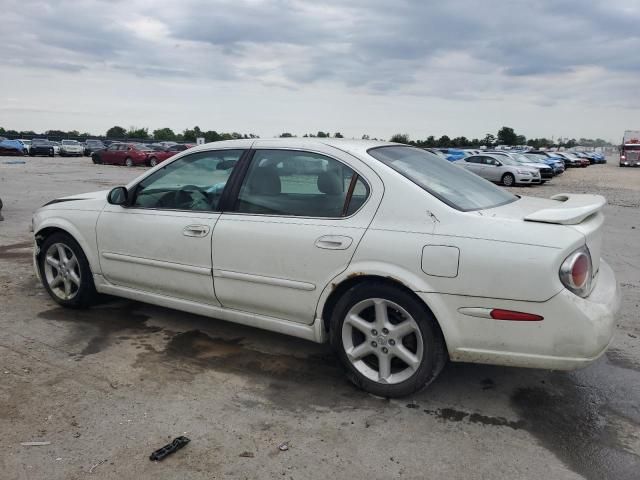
(297, 220)
(161, 242)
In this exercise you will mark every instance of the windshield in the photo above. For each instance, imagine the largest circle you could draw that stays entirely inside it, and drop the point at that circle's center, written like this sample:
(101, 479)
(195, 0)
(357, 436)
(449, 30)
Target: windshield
(451, 184)
(69, 142)
(535, 157)
(632, 147)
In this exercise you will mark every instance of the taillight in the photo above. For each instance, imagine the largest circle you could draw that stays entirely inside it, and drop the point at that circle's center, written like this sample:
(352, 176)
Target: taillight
(575, 272)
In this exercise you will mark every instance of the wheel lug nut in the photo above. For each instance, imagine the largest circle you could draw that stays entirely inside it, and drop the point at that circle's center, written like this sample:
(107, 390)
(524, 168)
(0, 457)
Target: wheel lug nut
(385, 350)
(374, 344)
(392, 342)
(385, 331)
(374, 332)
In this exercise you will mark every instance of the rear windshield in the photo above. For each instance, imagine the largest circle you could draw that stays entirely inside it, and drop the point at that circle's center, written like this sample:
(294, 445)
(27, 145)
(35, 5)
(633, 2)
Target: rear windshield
(451, 184)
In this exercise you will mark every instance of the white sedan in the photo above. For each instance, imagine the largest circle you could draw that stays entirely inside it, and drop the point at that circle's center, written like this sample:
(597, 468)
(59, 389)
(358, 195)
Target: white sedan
(397, 257)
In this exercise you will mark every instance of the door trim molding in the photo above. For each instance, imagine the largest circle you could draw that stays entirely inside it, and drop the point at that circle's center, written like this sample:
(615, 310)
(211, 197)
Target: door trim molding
(118, 257)
(275, 281)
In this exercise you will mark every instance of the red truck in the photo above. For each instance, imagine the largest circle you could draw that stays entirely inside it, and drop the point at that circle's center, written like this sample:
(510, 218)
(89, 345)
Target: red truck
(630, 149)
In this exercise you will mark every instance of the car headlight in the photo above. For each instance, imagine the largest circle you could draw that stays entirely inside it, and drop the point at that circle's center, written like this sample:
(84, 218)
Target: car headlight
(524, 172)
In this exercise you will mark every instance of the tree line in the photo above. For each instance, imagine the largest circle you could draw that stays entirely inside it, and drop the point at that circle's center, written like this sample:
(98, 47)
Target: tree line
(504, 136)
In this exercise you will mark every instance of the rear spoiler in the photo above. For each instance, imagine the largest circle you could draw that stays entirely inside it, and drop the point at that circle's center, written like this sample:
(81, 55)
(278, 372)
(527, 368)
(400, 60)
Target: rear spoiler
(571, 210)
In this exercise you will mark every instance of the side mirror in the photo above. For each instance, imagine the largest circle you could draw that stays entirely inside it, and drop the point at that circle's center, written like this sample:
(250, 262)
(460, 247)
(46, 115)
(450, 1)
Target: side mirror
(118, 196)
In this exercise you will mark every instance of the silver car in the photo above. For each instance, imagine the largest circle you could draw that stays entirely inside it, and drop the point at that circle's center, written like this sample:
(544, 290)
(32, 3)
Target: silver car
(500, 169)
(71, 147)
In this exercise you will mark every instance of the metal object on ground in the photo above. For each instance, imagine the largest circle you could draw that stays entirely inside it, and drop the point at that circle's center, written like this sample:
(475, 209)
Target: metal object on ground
(174, 446)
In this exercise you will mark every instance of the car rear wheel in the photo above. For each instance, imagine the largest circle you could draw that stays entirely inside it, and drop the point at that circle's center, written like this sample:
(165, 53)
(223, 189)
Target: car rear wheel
(388, 342)
(508, 180)
(128, 162)
(65, 271)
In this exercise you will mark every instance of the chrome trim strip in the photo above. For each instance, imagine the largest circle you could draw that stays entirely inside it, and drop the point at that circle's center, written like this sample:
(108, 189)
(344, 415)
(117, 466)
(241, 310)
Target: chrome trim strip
(118, 257)
(274, 281)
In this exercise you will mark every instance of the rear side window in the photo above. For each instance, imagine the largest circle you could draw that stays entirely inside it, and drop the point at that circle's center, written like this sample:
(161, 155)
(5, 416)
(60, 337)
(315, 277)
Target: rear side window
(298, 183)
(451, 184)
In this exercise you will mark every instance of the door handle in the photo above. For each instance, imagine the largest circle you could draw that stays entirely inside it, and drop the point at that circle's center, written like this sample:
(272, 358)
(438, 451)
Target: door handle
(334, 242)
(195, 231)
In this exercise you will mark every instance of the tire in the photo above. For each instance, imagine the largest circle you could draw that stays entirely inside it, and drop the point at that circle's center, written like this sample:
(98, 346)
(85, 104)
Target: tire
(508, 180)
(95, 159)
(153, 161)
(52, 153)
(128, 162)
(423, 340)
(71, 283)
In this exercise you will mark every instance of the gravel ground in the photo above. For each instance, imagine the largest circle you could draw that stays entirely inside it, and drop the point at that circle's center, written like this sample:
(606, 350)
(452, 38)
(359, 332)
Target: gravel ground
(108, 386)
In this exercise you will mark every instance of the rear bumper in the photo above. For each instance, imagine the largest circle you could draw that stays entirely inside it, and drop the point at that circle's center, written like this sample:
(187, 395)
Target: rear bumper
(575, 331)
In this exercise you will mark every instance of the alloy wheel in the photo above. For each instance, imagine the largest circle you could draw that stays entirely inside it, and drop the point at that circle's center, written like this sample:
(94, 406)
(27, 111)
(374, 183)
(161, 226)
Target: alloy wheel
(382, 341)
(62, 271)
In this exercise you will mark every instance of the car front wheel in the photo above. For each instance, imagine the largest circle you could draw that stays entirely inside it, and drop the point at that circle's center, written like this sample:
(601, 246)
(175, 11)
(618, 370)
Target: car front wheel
(387, 340)
(128, 162)
(508, 180)
(65, 271)
(153, 162)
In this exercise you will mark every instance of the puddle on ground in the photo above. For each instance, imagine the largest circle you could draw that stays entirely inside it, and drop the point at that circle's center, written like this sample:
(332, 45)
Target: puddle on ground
(622, 360)
(21, 251)
(572, 423)
(101, 325)
(454, 415)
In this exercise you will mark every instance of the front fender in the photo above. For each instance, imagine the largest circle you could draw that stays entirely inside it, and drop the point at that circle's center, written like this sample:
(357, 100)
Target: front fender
(82, 230)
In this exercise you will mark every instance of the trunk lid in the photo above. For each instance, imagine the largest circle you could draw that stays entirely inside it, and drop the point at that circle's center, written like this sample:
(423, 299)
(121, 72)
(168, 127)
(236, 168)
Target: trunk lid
(580, 212)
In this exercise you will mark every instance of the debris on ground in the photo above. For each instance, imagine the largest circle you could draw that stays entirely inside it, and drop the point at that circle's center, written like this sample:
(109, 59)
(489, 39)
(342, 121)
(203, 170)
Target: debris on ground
(93, 467)
(34, 444)
(168, 449)
(247, 455)
(283, 447)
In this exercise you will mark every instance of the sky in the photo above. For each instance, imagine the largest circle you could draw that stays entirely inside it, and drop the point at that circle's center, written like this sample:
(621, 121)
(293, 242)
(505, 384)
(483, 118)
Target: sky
(547, 68)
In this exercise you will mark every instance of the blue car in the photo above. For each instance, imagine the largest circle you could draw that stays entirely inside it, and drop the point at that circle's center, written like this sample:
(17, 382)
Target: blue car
(12, 147)
(453, 154)
(556, 163)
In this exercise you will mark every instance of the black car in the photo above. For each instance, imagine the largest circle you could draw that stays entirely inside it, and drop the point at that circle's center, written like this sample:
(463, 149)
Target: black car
(91, 146)
(41, 146)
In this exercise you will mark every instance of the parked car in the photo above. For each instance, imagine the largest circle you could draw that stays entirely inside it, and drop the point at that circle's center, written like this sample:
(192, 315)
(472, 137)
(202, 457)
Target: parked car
(554, 162)
(571, 160)
(26, 144)
(161, 153)
(12, 147)
(128, 154)
(70, 148)
(500, 169)
(91, 146)
(42, 146)
(56, 148)
(326, 256)
(546, 172)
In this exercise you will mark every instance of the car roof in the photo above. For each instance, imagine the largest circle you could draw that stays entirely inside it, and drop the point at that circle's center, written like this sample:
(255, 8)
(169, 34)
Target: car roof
(356, 147)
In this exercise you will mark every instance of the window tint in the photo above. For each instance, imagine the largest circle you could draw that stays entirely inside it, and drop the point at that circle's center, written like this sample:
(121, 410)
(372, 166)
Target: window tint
(451, 184)
(474, 159)
(194, 182)
(285, 182)
(113, 148)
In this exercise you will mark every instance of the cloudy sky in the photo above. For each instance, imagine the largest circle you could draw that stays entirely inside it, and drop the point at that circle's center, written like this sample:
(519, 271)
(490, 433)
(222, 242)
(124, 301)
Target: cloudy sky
(422, 67)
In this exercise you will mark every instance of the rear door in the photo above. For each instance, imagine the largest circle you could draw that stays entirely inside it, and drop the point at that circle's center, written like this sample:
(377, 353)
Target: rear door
(296, 220)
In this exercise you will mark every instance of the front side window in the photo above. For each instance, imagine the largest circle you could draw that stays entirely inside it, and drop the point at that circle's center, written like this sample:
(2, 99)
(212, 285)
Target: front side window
(194, 182)
(297, 183)
(453, 185)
